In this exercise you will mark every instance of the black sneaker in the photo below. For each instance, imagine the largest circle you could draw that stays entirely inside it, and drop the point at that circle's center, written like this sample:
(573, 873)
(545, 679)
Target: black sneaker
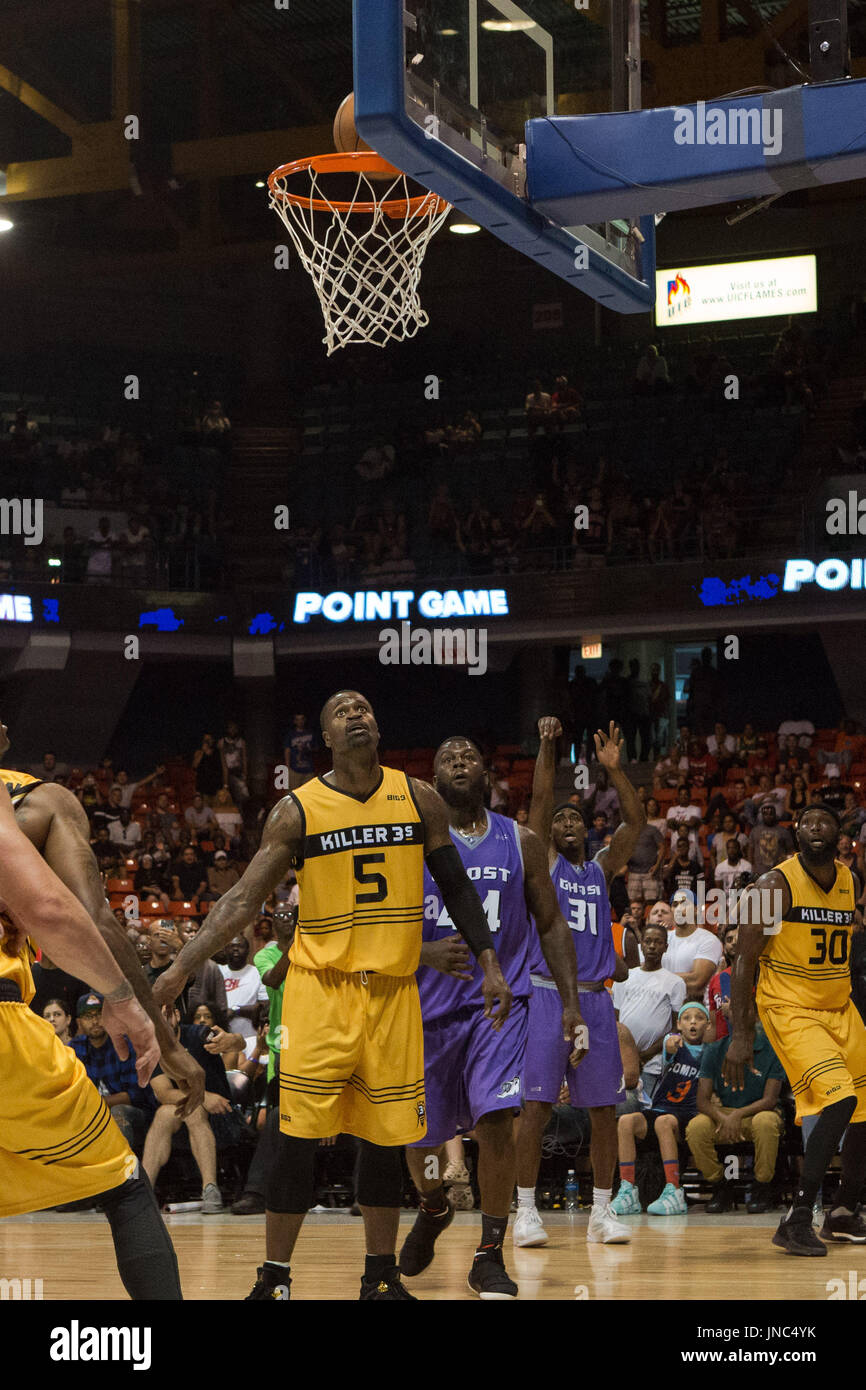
(250, 1204)
(417, 1252)
(722, 1198)
(760, 1199)
(488, 1277)
(388, 1289)
(271, 1283)
(796, 1234)
(842, 1227)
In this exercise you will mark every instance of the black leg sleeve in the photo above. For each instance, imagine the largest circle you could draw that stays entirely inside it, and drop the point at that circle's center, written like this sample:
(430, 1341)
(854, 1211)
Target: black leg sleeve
(291, 1181)
(380, 1176)
(853, 1167)
(146, 1260)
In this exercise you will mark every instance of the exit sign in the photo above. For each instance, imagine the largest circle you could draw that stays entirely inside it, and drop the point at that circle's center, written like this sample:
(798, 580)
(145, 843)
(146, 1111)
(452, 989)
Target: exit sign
(591, 651)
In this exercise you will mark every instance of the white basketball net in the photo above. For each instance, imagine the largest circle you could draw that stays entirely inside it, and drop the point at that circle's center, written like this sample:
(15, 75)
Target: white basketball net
(365, 264)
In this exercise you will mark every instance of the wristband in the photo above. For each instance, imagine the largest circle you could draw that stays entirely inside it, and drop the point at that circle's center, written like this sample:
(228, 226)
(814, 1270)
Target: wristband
(119, 995)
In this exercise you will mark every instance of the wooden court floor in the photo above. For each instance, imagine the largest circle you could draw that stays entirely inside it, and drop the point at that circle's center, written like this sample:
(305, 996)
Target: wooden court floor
(693, 1257)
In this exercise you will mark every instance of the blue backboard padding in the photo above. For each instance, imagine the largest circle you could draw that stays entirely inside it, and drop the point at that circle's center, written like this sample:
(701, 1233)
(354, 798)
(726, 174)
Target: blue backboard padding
(381, 120)
(582, 168)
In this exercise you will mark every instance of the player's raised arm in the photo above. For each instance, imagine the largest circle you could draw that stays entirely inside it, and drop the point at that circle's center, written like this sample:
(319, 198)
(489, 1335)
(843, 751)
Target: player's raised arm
(44, 908)
(611, 858)
(462, 903)
(543, 781)
(556, 939)
(67, 851)
(752, 937)
(282, 842)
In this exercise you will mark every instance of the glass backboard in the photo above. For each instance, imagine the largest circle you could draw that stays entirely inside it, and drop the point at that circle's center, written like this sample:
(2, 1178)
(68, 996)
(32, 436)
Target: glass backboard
(443, 88)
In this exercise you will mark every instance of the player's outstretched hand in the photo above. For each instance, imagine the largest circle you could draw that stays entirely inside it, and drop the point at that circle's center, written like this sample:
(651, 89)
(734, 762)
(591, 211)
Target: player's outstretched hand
(608, 747)
(129, 1020)
(549, 727)
(168, 986)
(737, 1058)
(497, 995)
(187, 1076)
(575, 1031)
(450, 955)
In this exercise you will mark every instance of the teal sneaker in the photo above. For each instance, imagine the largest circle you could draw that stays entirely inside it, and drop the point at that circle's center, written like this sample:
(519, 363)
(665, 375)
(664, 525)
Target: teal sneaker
(672, 1202)
(626, 1202)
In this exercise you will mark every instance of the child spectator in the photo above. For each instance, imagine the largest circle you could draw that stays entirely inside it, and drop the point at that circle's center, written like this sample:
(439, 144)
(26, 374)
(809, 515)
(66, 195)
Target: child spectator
(674, 1103)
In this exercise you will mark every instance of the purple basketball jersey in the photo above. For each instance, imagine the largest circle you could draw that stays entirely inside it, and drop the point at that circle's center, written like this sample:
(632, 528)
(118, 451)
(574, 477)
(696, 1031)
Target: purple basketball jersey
(581, 892)
(495, 866)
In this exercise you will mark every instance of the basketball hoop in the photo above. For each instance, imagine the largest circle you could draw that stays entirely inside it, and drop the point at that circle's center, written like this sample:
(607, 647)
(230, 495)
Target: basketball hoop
(364, 252)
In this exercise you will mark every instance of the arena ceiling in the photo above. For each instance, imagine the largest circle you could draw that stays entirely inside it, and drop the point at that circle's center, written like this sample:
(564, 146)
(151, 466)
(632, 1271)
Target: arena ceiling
(225, 89)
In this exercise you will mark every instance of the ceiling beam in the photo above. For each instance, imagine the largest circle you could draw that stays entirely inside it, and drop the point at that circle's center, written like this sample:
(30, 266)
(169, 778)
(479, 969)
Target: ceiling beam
(103, 164)
(36, 101)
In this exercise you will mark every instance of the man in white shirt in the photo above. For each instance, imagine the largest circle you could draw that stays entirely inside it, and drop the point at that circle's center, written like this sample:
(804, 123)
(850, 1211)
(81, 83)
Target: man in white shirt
(731, 869)
(200, 817)
(125, 831)
(721, 742)
(244, 988)
(647, 1003)
(684, 813)
(693, 953)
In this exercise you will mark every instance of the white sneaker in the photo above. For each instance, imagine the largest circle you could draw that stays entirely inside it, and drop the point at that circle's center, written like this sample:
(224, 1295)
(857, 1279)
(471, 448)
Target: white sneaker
(528, 1228)
(604, 1229)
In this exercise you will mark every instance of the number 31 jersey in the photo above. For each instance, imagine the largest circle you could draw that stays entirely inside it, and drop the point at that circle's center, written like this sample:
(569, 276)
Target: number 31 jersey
(360, 878)
(495, 866)
(581, 891)
(805, 964)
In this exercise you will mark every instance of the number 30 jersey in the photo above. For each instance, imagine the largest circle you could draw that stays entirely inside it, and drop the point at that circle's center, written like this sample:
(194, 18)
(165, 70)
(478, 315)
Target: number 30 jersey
(581, 891)
(495, 866)
(805, 963)
(360, 878)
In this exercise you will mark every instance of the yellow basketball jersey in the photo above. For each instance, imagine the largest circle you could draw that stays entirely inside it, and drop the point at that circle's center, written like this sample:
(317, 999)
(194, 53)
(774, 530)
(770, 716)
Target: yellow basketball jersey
(361, 878)
(18, 784)
(15, 959)
(806, 963)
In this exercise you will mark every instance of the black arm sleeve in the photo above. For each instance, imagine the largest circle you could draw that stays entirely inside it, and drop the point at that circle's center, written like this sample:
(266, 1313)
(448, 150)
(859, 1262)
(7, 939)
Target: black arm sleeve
(460, 898)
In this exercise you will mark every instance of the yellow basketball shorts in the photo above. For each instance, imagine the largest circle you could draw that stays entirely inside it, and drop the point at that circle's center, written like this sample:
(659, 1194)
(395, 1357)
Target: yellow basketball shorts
(823, 1052)
(58, 1142)
(352, 1057)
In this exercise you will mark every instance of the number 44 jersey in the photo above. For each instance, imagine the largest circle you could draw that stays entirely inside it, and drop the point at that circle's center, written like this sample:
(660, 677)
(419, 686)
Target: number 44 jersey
(494, 864)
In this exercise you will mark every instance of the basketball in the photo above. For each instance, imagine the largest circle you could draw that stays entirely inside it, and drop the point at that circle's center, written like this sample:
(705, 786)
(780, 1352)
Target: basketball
(346, 136)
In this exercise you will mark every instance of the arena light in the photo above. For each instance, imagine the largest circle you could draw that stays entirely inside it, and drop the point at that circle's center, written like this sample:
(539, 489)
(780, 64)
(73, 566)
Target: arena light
(461, 225)
(260, 183)
(447, 33)
(6, 225)
(54, 563)
(508, 26)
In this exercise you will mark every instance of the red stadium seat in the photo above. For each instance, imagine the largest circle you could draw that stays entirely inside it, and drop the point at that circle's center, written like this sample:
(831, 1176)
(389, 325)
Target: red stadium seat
(151, 908)
(119, 885)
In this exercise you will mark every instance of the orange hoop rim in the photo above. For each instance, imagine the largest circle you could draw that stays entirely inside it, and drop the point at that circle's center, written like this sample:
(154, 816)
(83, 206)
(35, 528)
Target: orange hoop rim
(347, 162)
